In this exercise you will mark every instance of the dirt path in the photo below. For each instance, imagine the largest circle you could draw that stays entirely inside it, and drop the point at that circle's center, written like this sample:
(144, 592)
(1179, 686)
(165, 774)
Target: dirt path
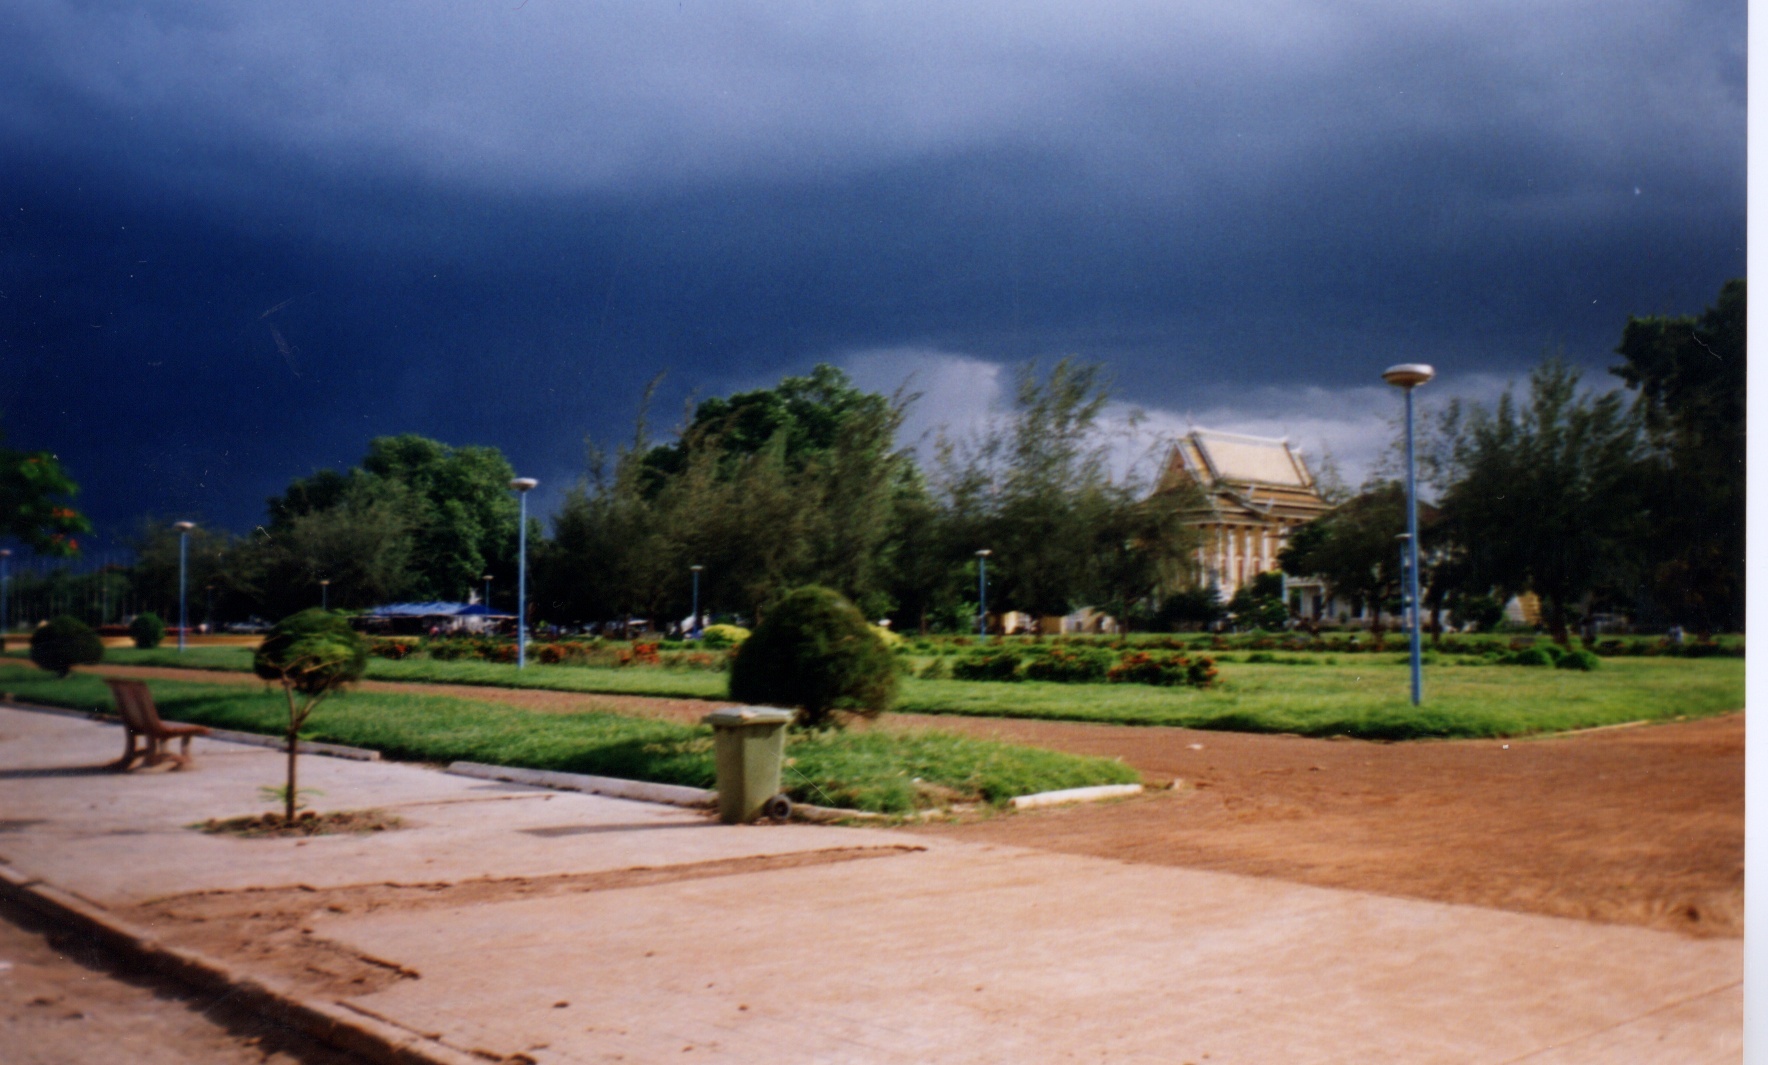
(63, 1002)
(1636, 825)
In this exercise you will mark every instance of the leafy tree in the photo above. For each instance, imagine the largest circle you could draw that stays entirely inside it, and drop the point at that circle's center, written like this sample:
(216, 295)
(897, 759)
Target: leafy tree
(1689, 376)
(35, 503)
(62, 643)
(1037, 488)
(312, 654)
(1544, 495)
(1354, 548)
(1260, 603)
(766, 490)
(815, 651)
(443, 517)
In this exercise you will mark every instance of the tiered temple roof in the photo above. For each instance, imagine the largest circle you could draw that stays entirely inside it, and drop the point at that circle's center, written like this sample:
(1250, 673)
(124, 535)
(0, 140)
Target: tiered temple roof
(1246, 478)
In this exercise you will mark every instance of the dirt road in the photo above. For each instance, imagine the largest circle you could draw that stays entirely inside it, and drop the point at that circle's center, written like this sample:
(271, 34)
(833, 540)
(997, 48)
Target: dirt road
(63, 1002)
(1638, 825)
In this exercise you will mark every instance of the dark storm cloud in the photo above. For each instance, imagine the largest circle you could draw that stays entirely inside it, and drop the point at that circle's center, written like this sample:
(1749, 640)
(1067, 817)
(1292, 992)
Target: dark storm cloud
(241, 239)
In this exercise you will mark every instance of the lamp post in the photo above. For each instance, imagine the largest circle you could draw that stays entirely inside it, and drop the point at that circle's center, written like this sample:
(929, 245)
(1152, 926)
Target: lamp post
(5, 578)
(522, 486)
(324, 597)
(694, 626)
(1408, 376)
(183, 528)
(982, 591)
(488, 593)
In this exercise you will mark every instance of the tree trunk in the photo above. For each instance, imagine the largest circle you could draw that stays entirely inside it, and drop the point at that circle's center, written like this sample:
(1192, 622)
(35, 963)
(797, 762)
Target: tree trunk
(1556, 624)
(288, 798)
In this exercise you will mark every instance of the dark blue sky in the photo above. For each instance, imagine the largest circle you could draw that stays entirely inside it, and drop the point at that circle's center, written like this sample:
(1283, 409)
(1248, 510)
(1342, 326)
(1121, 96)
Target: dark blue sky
(240, 240)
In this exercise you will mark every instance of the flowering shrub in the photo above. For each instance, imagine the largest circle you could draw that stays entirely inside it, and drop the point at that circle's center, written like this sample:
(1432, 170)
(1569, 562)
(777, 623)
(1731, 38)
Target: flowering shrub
(1168, 670)
(1066, 666)
(393, 649)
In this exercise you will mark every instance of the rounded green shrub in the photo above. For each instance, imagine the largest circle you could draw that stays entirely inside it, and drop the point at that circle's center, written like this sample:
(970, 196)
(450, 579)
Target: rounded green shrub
(816, 652)
(62, 643)
(723, 636)
(313, 652)
(1583, 661)
(1530, 656)
(147, 630)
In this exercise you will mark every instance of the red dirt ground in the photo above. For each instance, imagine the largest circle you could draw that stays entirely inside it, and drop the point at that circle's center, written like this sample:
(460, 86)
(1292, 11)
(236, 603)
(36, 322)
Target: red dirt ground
(1640, 825)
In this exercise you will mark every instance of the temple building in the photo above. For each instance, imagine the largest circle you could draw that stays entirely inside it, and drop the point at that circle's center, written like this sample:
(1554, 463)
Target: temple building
(1255, 491)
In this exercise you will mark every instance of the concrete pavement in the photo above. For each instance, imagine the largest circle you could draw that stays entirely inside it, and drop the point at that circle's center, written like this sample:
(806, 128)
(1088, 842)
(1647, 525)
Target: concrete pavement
(515, 924)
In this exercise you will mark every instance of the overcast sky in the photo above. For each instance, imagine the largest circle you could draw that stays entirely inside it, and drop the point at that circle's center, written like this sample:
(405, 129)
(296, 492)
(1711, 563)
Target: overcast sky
(239, 240)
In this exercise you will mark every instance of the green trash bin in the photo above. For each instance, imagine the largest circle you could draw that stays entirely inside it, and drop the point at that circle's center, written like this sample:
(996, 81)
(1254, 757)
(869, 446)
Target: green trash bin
(750, 742)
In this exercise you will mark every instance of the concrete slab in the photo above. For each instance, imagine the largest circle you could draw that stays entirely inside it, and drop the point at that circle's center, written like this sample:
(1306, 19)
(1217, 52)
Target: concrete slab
(957, 952)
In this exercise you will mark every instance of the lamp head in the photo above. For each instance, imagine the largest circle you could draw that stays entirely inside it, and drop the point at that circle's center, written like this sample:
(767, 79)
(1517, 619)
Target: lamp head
(524, 484)
(696, 569)
(1408, 374)
(486, 577)
(184, 526)
(984, 553)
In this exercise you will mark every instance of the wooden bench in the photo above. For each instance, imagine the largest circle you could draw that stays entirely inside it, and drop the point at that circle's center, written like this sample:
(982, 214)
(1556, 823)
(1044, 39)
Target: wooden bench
(141, 719)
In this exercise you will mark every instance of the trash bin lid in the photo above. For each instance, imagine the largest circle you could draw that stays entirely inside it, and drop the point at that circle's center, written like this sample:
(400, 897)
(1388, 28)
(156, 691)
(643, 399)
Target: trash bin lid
(733, 716)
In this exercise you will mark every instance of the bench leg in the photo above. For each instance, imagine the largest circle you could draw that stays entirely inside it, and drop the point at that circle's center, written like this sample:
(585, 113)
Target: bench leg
(129, 752)
(183, 755)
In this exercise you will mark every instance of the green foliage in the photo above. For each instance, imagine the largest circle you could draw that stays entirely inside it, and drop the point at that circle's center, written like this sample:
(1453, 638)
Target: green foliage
(799, 484)
(36, 503)
(874, 770)
(1259, 602)
(1689, 375)
(147, 630)
(1583, 661)
(62, 643)
(723, 636)
(1354, 547)
(1530, 656)
(1068, 665)
(988, 666)
(417, 519)
(1037, 489)
(314, 652)
(1544, 494)
(815, 652)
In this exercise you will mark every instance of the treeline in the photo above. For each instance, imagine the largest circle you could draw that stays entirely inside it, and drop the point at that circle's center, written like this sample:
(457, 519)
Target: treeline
(1628, 501)
(804, 484)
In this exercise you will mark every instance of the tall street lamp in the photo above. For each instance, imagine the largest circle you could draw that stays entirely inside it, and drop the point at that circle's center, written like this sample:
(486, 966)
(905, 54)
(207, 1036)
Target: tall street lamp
(694, 626)
(522, 486)
(324, 597)
(5, 557)
(982, 591)
(487, 593)
(1408, 376)
(183, 528)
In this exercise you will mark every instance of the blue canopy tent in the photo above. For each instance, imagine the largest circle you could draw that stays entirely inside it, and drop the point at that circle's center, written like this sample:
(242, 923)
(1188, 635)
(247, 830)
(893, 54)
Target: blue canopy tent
(420, 618)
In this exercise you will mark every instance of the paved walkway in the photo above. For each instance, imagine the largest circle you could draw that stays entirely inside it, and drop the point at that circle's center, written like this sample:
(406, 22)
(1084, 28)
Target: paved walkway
(529, 926)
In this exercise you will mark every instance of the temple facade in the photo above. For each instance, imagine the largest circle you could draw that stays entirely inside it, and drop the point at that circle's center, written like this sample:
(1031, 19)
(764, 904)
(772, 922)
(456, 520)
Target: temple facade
(1255, 491)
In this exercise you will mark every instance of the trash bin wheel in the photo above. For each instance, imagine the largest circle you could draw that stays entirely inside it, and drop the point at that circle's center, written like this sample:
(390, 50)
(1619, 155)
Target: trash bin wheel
(777, 809)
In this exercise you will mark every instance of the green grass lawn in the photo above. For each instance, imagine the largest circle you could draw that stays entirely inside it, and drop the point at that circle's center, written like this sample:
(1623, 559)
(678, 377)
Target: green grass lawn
(1358, 695)
(876, 771)
(1369, 698)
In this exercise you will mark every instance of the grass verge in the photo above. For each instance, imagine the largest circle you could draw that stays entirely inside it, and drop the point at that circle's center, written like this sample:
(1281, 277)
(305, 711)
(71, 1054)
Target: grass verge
(1364, 696)
(875, 771)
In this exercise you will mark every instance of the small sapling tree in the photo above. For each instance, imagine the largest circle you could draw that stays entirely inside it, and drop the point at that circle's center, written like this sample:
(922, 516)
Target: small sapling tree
(147, 630)
(311, 654)
(815, 651)
(62, 643)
